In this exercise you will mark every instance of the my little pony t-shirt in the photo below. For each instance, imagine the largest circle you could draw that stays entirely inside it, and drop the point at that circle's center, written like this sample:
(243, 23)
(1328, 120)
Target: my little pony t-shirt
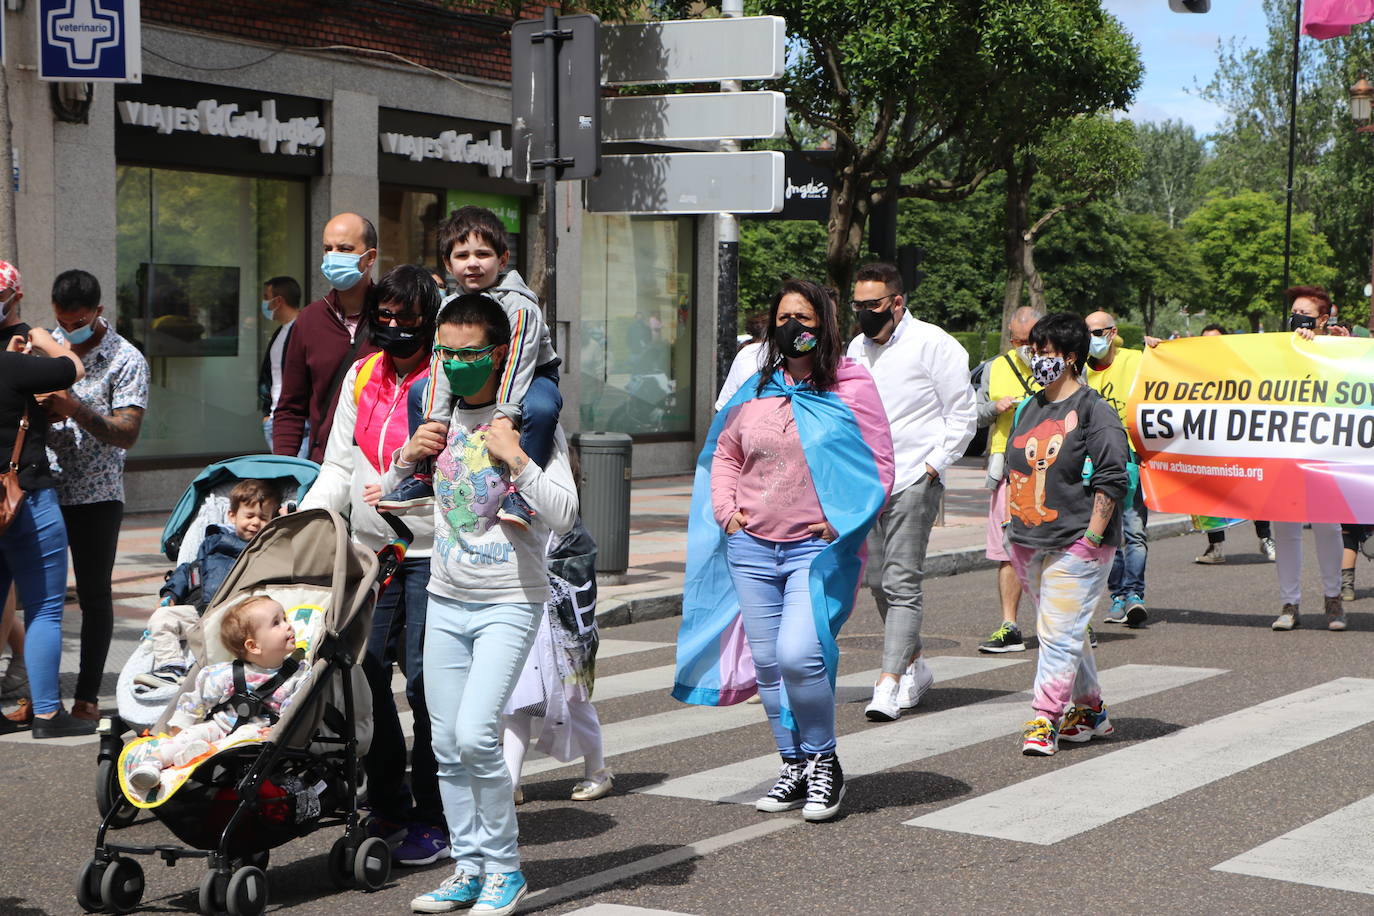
(1049, 501)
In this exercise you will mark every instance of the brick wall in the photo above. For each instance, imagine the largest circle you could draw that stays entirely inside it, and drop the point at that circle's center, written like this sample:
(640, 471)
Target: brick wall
(438, 35)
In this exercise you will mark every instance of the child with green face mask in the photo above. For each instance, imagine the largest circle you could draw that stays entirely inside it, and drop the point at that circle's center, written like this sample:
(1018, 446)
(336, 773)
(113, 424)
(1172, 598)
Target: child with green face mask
(475, 251)
(488, 586)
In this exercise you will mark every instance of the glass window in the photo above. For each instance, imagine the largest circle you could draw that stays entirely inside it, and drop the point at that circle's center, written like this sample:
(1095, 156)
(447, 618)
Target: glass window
(193, 252)
(410, 218)
(638, 311)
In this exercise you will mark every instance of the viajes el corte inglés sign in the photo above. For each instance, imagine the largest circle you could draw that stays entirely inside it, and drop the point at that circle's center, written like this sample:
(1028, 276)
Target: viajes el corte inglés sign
(291, 137)
(450, 146)
(90, 41)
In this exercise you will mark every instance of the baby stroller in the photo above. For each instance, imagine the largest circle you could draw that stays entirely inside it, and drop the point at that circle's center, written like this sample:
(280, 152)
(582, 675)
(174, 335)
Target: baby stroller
(205, 503)
(242, 801)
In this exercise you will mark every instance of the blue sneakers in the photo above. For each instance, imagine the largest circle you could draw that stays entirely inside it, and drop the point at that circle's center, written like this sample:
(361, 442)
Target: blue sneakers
(420, 845)
(1117, 614)
(459, 890)
(501, 892)
(413, 491)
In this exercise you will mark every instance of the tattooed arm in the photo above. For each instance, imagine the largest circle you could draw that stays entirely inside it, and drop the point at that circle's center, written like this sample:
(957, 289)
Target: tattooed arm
(1103, 507)
(119, 429)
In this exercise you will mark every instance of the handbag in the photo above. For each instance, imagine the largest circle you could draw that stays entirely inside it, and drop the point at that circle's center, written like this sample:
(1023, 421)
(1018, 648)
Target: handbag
(11, 496)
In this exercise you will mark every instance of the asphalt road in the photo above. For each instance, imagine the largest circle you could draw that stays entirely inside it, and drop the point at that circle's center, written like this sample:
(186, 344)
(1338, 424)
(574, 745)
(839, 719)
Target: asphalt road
(1230, 738)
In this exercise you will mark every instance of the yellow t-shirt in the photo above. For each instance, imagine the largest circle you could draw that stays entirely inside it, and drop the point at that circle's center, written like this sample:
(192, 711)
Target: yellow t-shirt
(1002, 382)
(1114, 382)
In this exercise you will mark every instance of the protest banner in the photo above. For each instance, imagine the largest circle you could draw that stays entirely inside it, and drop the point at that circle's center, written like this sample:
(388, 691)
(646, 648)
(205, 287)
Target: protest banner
(1259, 426)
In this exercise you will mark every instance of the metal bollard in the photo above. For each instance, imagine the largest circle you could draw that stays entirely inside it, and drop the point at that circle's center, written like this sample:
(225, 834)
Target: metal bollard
(604, 489)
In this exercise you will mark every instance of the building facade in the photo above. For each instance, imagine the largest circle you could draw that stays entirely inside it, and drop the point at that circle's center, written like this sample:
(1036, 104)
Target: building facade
(253, 124)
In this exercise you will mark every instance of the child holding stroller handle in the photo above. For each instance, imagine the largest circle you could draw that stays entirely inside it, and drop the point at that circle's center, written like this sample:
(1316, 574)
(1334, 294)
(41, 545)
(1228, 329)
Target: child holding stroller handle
(258, 635)
(188, 590)
(487, 589)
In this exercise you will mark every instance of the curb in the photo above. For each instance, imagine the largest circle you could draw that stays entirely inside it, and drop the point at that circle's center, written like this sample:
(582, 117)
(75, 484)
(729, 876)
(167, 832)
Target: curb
(620, 611)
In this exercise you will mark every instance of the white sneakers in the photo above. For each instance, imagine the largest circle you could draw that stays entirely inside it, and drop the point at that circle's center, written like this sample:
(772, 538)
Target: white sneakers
(891, 697)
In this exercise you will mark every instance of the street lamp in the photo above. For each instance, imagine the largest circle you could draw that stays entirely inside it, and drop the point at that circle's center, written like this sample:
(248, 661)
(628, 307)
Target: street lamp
(1361, 103)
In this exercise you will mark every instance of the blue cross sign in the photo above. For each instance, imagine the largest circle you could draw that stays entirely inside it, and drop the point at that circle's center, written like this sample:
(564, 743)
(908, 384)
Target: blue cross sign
(90, 41)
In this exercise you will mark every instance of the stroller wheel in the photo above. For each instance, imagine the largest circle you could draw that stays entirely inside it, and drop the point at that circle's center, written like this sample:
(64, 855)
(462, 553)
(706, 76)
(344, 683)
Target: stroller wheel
(246, 894)
(372, 864)
(213, 891)
(121, 887)
(88, 886)
(108, 796)
(341, 863)
(259, 859)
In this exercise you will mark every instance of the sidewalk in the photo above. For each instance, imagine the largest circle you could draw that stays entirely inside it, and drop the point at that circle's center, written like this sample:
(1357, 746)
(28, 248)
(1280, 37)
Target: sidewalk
(652, 586)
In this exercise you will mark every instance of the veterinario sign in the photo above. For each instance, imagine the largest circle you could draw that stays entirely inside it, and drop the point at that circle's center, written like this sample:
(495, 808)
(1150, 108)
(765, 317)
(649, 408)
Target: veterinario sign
(90, 41)
(1257, 426)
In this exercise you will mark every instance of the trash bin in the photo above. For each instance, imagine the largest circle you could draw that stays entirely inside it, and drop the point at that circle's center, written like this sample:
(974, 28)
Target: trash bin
(604, 486)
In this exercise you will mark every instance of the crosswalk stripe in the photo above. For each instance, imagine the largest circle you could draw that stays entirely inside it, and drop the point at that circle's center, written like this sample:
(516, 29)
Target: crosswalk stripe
(1159, 769)
(1335, 851)
(612, 648)
(692, 721)
(920, 736)
(645, 680)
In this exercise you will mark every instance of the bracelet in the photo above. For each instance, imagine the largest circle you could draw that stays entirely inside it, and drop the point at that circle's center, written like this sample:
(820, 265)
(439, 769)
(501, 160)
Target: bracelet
(1094, 539)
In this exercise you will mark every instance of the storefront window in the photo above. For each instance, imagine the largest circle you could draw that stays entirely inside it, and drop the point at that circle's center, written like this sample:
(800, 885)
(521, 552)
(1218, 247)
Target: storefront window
(193, 252)
(410, 217)
(638, 309)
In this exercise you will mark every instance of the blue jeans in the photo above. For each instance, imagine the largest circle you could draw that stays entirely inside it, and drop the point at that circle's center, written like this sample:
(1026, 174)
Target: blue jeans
(1128, 568)
(772, 582)
(473, 656)
(398, 624)
(305, 438)
(539, 416)
(33, 556)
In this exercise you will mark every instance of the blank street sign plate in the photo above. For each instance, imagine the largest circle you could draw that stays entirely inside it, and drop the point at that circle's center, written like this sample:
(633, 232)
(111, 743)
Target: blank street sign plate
(689, 183)
(694, 116)
(694, 50)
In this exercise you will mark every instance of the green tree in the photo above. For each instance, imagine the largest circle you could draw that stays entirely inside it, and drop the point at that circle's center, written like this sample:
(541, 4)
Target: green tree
(1164, 268)
(1172, 155)
(771, 251)
(898, 81)
(1240, 242)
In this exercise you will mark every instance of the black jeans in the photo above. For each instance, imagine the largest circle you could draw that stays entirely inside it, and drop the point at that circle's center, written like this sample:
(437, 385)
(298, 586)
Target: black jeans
(1219, 536)
(93, 536)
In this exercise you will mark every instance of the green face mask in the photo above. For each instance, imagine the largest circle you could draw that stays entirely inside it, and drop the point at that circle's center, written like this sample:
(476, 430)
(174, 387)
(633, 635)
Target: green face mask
(467, 378)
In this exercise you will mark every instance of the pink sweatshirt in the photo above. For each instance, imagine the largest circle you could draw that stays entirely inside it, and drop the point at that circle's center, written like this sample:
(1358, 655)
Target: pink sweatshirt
(759, 467)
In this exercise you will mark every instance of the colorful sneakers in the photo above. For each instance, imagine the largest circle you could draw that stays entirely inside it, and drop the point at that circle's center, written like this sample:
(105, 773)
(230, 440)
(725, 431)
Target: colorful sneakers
(1006, 639)
(459, 890)
(789, 791)
(884, 706)
(914, 683)
(1084, 723)
(501, 893)
(1136, 615)
(1288, 620)
(413, 491)
(1117, 612)
(422, 844)
(1041, 738)
(824, 788)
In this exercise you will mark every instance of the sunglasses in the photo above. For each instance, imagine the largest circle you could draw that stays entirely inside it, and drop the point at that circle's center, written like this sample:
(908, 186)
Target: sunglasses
(404, 319)
(464, 354)
(1098, 332)
(859, 305)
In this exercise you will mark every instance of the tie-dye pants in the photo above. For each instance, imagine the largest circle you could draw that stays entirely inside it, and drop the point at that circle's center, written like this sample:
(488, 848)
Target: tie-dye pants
(1065, 586)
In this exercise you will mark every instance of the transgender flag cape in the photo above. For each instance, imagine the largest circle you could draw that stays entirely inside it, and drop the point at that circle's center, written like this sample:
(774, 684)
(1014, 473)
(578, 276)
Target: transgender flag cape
(848, 447)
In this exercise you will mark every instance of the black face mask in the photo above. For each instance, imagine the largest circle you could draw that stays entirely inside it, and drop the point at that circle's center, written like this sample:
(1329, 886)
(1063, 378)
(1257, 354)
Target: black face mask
(1296, 321)
(795, 339)
(399, 343)
(872, 323)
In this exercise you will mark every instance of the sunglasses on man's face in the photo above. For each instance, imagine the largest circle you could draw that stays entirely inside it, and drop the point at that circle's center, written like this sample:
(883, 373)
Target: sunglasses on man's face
(859, 305)
(1098, 332)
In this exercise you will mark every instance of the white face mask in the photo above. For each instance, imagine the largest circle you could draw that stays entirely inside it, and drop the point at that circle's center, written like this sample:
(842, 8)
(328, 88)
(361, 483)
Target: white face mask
(1098, 346)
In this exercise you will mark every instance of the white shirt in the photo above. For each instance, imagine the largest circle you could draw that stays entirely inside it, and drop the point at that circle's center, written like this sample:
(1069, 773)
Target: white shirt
(275, 354)
(922, 378)
(748, 360)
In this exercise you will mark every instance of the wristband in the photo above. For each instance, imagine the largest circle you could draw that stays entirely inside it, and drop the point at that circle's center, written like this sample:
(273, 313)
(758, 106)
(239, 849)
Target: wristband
(1094, 539)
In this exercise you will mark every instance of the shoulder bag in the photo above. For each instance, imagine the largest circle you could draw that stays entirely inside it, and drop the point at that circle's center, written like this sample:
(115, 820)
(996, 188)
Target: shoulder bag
(11, 496)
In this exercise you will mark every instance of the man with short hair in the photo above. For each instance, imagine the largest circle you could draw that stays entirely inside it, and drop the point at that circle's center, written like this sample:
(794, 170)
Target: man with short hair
(1112, 369)
(1006, 382)
(923, 380)
(281, 302)
(329, 335)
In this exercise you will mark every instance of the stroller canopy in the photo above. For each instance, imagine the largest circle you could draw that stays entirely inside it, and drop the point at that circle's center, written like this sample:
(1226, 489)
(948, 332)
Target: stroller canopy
(246, 467)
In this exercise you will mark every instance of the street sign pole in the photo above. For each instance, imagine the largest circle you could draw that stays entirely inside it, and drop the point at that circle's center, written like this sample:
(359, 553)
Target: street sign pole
(727, 248)
(550, 38)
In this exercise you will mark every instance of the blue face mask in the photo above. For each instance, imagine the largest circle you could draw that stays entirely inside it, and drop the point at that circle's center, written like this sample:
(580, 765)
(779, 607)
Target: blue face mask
(267, 309)
(341, 269)
(82, 334)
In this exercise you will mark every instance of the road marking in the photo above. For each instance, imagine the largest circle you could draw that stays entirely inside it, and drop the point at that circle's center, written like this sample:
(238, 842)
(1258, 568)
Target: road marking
(1336, 851)
(583, 886)
(646, 680)
(1159, 769)
(883, 747)
(611, 648)
(694, 721)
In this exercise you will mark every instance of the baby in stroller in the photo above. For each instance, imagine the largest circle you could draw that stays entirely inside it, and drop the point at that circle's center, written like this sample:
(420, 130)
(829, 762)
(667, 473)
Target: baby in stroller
(188, 590)
(263, 675)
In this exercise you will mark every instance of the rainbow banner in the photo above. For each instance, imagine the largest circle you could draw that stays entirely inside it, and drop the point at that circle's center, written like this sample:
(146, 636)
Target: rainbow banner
(1257, 426)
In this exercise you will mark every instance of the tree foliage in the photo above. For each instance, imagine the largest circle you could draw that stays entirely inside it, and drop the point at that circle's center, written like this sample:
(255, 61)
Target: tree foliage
(1171, 156)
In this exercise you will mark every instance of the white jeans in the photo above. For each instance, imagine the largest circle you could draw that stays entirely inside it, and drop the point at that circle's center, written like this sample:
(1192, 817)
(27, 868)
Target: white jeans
(1288, 551)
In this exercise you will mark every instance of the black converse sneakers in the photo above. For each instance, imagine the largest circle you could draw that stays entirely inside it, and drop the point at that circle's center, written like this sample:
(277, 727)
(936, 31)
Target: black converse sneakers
(824, 788)
(790, 790)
